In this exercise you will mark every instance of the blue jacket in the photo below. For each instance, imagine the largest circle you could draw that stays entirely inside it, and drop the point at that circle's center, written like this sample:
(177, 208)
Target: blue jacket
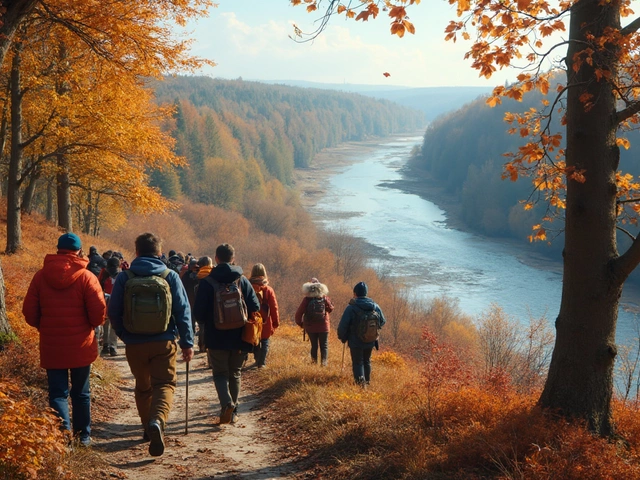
(181, 313)
(203, 309)
(347, 326)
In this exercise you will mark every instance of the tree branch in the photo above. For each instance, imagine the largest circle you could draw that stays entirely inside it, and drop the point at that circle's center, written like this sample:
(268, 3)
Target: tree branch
(628, 112)
(627, 262)
(631, 28)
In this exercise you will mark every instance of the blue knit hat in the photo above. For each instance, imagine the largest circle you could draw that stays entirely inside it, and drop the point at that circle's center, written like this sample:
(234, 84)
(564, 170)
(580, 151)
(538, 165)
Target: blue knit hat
(360, 290)
(69, 241)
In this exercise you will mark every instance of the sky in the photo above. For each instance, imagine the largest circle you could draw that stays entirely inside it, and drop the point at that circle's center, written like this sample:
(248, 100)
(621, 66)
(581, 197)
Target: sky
(251, 39)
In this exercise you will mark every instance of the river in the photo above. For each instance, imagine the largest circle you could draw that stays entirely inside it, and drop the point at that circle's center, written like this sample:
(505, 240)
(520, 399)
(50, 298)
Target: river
(415, 243)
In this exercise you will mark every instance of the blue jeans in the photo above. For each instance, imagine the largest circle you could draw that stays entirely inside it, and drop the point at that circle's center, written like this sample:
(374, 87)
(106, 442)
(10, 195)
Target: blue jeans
(80, 398)
(260, 352)
(227, 374)
(319, 340)
(361, 363)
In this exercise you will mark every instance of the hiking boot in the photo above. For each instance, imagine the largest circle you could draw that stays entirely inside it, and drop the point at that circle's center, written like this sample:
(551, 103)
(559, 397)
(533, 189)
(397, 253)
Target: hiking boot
(227, 413)
(84, 441)
(105, 350)
(156, 447)
(113, 352)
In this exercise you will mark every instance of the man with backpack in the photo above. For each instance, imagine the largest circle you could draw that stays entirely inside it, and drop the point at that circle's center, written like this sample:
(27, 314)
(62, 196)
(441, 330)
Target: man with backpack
(148, 310)
(225, 300)
(359, 325)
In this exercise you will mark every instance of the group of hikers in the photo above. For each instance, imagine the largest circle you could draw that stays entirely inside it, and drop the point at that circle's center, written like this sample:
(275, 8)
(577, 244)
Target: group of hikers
(155, 306)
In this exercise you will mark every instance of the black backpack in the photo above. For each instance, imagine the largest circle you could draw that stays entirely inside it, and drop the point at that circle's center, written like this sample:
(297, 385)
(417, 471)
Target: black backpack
(315, 311)
(367, 325)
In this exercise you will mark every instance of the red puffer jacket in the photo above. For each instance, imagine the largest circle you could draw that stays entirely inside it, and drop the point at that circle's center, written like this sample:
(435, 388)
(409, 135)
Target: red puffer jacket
(268, 306)
(312, 290)
(65, 303)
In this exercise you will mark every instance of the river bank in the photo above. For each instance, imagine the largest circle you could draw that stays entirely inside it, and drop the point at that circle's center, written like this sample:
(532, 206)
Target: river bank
(353, 185)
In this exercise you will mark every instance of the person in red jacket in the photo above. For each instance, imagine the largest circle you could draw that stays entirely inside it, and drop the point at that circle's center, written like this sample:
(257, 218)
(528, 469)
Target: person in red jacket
(268, 310)
(313, 316)
(65, 303)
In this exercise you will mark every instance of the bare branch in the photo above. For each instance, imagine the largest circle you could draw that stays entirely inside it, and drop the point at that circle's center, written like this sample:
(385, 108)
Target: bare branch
(628, 112)
(631, 28)
(627, 262)
(626, 232)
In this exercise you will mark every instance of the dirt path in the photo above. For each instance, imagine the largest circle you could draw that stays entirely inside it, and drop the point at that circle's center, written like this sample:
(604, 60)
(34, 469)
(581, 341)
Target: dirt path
(244, 450)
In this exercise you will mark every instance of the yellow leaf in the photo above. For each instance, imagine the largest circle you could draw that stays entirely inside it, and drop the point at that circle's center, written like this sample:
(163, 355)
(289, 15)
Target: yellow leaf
(623, 142)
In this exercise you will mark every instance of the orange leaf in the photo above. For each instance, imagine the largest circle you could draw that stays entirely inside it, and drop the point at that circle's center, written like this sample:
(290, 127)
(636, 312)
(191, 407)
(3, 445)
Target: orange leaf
(386, 74)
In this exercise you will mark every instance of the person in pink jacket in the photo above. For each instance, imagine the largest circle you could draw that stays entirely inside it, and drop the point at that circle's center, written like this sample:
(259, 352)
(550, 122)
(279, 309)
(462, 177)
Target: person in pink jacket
(313, 316)
(268, 310)
(65, 303)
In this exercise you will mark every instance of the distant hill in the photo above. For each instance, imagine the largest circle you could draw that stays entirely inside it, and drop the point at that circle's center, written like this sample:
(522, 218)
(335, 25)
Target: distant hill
(433, 101)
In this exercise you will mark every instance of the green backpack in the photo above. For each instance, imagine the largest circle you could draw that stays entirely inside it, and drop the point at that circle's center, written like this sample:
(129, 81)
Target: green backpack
(147, 303)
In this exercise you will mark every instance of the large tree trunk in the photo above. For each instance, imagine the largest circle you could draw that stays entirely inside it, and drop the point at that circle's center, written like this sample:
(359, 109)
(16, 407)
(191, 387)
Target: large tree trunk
(580, 380)
(16, 11)
(14, 227)
(5, 328)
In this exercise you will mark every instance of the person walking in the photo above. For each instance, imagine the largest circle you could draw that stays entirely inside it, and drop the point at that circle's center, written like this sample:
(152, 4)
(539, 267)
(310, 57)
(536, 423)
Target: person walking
(359, 325)
(65, 303)
(107, 280)
(226, 350)
(148, 310)
(313, 316)
(268, 311)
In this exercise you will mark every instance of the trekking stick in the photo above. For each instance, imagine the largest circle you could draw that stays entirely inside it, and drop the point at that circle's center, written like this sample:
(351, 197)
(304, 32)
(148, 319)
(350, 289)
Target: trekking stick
(344, 348)
(304, 333)
(186, 405)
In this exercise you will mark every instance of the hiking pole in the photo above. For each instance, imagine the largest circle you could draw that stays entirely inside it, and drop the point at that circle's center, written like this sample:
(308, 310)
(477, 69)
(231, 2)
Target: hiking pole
(186, 405)
(344, 348)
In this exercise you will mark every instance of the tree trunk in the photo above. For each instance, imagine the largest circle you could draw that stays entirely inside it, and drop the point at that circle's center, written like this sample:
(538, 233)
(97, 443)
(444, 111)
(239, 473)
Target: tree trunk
(16, 11)
(50, 215)
(580, 380)
(63, 194)
(5, 328)
(14, 227)
(29, 192)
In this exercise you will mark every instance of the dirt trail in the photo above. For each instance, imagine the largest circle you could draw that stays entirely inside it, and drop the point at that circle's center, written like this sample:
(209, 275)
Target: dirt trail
(244, 450)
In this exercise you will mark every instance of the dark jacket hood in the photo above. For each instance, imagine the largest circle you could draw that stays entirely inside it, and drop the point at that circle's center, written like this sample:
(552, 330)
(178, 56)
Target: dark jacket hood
(226, 273)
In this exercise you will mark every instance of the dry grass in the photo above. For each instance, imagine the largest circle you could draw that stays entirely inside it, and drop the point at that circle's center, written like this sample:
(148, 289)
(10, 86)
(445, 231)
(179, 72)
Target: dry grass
(482, 430)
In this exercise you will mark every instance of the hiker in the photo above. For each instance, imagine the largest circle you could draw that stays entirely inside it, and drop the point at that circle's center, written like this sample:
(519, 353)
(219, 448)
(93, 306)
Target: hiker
(313, 316)
(359, 325)
(149, 334)
(65, 303)
(268, 310)
(107, 279)
(176, 262)
(124, 265)
(190, 281)
(226, 350)
(96, 261)
(205, 265)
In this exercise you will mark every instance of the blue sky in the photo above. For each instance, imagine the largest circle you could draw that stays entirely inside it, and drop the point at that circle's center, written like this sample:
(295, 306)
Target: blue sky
(250, 39)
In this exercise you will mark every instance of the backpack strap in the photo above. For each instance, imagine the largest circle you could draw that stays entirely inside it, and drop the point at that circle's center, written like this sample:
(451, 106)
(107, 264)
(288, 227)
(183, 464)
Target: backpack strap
(129, 273)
